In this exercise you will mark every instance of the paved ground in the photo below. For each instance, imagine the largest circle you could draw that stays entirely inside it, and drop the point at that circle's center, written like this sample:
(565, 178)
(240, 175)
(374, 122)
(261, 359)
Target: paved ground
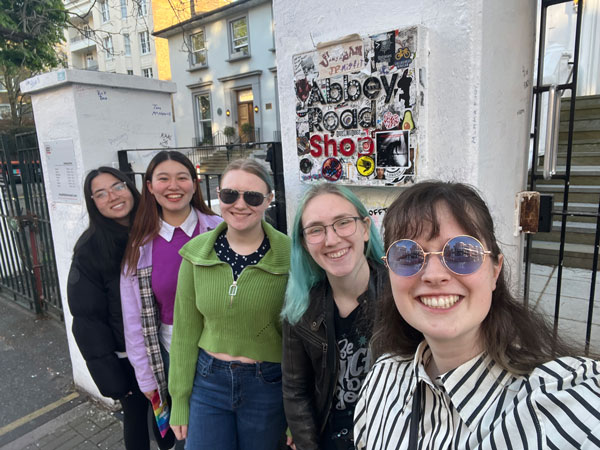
(86, 426)
(574, 302)
(39, 406)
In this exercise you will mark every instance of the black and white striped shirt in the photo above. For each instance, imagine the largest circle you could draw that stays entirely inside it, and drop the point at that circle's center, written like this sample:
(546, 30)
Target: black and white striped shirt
(480, 405)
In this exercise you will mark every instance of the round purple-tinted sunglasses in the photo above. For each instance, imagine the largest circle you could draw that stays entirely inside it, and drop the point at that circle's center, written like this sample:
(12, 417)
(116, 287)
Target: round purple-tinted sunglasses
(462, 255)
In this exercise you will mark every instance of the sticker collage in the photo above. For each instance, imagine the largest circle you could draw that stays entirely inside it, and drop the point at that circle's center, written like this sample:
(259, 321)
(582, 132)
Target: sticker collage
(357, 110)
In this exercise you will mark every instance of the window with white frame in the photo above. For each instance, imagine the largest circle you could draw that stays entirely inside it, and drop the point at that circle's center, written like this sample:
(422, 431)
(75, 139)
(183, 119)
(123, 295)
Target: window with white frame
(127, 44)
(145, 42)
(147, 72)
(142, 7)
(123, 9)
(197, 49)
(108, 47)
(90, 63)
(238, 35)
(203, 118)
(129, 72)
(104, 10)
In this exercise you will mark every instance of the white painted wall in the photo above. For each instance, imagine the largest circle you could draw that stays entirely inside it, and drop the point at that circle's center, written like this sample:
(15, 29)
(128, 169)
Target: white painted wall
(477, 90)
(217, 44)
(101, 113)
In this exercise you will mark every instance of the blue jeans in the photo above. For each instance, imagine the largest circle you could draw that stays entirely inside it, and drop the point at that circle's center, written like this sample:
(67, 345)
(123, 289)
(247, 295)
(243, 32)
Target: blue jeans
(235, 406)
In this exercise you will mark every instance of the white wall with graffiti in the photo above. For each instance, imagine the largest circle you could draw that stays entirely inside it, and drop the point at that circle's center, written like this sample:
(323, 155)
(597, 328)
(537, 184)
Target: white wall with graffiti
(469, 96)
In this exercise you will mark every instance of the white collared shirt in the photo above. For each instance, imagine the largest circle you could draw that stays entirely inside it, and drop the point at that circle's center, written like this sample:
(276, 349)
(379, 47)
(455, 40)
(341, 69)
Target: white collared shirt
(188, 226)
(480, 405)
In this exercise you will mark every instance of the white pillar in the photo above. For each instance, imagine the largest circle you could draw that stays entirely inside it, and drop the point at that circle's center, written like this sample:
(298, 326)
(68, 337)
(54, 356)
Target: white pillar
(477, 89)
(92, 115)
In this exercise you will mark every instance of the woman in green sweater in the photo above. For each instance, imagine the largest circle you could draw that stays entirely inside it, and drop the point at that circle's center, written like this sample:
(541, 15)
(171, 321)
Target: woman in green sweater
(225, 374)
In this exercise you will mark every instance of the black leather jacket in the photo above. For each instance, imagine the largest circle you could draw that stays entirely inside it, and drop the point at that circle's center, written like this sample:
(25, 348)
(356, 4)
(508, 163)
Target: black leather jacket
(310, 360)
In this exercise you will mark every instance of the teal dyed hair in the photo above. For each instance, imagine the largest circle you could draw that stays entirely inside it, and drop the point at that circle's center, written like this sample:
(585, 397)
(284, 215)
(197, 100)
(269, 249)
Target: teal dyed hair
(304, 271)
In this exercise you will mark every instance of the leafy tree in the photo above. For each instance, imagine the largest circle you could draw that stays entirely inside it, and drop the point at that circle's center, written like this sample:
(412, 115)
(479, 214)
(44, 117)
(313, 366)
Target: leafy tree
(30, 31)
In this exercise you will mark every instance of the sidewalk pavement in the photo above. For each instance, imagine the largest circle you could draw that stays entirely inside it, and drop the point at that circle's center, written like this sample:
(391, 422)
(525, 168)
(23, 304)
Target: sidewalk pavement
(574, 302)
(86, 426)
(41, 408)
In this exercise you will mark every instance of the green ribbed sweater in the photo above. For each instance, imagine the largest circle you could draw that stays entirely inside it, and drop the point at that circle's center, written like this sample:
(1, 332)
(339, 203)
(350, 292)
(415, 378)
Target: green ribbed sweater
(207, 316)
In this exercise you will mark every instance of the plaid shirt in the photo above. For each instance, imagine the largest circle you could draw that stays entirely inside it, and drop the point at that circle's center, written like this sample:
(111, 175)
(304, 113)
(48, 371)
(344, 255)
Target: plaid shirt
(150, 329)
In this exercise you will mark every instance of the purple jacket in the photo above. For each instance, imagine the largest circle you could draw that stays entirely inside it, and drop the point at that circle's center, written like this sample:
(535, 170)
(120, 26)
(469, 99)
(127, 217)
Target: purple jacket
(149, 370)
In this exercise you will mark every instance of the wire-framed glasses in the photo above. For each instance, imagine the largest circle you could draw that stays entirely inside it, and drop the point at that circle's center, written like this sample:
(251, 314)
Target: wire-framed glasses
(116, 188)
(462, 255)
(344, 227)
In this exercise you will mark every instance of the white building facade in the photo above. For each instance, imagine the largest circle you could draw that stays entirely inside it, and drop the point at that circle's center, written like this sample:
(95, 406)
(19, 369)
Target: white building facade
(223, 63)
(111, 36)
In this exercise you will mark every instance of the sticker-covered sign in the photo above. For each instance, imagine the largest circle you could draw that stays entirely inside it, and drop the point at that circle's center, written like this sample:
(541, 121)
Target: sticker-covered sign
(357, 110)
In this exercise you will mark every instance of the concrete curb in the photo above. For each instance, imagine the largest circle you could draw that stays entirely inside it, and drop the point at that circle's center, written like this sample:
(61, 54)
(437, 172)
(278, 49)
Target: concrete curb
(46, 429)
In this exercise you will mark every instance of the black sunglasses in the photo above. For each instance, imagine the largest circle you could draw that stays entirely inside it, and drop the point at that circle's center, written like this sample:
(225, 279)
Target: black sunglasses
(252, 198)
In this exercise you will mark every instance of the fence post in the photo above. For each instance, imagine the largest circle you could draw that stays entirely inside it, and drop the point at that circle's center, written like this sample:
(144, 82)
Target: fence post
(279, 187)
(36, 267)
(124, 165)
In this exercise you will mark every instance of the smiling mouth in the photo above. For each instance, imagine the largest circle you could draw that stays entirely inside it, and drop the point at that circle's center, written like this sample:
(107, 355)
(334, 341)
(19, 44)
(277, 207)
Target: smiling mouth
(174, 196)
(338, 254)
(440, 302)
(118, 206)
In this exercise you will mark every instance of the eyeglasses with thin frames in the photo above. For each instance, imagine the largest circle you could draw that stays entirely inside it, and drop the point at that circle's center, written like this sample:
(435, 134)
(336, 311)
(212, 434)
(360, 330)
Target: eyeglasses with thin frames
(462, 255)
(344, 227)
(116, 188)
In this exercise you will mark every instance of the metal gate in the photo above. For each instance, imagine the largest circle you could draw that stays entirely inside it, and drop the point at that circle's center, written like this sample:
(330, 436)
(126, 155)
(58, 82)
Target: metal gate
(27, 263)
(569, 174)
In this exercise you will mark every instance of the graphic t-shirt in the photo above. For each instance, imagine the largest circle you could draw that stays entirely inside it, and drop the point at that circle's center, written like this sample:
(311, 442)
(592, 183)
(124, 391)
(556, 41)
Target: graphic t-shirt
(354, 363)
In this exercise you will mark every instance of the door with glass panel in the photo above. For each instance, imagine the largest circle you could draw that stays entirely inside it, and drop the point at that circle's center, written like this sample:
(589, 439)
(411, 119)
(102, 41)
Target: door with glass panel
(203, 119)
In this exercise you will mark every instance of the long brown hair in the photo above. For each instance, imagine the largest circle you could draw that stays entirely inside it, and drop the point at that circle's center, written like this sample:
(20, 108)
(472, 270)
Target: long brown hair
(146, 224)
(514, 336)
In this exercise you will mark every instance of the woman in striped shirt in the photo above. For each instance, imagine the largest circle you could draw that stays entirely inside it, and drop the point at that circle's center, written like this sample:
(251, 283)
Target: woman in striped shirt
(463, 364)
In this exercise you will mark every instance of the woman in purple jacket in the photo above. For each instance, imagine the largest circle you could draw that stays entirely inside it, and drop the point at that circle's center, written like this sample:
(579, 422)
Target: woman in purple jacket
(171, 212)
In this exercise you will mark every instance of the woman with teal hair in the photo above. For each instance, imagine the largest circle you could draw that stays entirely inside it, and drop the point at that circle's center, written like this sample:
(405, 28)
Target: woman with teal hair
(336, 279)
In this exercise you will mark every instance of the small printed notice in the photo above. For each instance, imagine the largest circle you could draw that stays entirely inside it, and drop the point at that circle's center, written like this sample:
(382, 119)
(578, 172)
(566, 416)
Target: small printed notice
(340, 59)
(62, 171)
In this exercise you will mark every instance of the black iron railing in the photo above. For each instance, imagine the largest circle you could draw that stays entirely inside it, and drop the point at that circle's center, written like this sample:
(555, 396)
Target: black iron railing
(27, 264)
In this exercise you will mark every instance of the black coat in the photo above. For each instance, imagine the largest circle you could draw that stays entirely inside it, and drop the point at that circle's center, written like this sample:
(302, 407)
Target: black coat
(95, 303)
(311, 358)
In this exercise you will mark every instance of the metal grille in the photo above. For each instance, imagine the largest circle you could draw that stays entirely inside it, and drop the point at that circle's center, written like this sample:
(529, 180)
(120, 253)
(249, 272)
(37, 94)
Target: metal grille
(27, 264)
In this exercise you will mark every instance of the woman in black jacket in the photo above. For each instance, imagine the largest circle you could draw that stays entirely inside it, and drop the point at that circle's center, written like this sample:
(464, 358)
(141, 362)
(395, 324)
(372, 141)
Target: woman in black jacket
(95, 303)
(336, 279)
